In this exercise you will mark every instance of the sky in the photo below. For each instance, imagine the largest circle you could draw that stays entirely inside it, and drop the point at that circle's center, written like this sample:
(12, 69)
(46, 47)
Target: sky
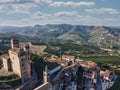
(76, 12)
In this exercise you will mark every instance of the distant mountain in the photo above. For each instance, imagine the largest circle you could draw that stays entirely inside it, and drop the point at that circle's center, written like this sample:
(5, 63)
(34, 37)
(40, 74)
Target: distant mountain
(99, 35)
(13, 29)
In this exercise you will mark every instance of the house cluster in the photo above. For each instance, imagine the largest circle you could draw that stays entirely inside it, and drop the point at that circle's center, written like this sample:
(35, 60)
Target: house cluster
(90, 74)
(88, 64)
(67, 83)
(89, 79)
(68, 58)
(60, 75)
(107, 78)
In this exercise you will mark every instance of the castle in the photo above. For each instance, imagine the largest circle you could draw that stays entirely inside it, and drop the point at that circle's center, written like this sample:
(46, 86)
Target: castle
(18, 60)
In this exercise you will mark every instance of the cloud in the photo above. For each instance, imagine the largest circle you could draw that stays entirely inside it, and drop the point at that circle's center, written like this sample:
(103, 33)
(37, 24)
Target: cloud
(20, 8)
(7, 1)
(43, 1)
(63, 13)
(44, 18)
(63, 17)
(26, 1)
(2, 8)
(72, 4)
(40, 15)
(102, 11)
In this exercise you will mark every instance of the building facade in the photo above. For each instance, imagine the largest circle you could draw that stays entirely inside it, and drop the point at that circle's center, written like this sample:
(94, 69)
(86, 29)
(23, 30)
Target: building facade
(18, 61)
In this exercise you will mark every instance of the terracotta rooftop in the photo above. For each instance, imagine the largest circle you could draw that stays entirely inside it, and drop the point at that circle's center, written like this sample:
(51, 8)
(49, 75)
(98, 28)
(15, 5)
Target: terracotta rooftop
(6, 56)
(69, 57)
(105, 73)
(91, 64)
(88, 64)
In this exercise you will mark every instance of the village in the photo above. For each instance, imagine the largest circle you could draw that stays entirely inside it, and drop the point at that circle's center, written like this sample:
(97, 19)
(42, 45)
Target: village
(61, 73)
(93, 78)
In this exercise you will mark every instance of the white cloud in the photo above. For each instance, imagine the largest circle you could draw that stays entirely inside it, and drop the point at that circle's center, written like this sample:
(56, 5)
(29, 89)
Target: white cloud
(40, 15)
(21, 8)
(63, 13)
(102, 10)
(43, 1)
(72, 4)
(68, 18)
(26, 1)
(44, 18)
(6, 1)
(2, 7)
(18, 11)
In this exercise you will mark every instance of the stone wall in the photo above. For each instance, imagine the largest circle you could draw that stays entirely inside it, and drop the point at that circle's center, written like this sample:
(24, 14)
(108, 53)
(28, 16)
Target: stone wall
(35, 49)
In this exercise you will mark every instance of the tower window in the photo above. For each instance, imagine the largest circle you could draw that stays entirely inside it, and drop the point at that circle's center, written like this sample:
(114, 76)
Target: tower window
(21, 59)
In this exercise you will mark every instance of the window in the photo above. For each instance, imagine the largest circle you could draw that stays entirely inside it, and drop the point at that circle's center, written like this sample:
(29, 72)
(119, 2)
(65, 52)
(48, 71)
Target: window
(21, 59)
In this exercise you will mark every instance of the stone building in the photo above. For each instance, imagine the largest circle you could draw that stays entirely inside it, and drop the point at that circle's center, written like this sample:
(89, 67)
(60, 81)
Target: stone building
(68, 58)
(35, 49)
(46, 84)
(6, 62)
(18, 61)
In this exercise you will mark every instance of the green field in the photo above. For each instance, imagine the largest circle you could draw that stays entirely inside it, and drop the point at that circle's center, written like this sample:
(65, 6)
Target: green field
(104, 59)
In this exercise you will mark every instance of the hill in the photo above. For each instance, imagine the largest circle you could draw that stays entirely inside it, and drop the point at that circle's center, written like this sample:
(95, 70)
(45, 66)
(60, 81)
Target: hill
(99, 35)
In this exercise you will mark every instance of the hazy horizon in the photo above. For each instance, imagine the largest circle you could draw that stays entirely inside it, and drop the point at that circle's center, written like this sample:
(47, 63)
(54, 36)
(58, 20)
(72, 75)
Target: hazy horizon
(57, 24)
(75, 12)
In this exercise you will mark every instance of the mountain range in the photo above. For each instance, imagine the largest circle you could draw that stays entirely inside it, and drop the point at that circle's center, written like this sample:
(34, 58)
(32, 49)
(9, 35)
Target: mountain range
(99, 35)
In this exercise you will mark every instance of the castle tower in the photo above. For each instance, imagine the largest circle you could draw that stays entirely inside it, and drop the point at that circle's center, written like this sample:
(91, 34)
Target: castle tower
(45, 75)
(14, 43)
(20, 58)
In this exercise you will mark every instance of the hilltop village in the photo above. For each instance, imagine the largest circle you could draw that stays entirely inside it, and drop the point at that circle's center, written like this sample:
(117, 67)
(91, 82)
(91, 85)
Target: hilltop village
(59, 73)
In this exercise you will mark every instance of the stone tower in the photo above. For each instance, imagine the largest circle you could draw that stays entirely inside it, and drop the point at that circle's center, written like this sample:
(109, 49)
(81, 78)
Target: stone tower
(45, 75)
(20, 60)
(14, 43)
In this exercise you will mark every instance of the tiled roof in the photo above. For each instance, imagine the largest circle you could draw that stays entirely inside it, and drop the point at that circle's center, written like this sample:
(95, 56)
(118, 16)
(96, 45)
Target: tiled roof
(88, 64)
(91, 64)
(69, 57)
(104, 73)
